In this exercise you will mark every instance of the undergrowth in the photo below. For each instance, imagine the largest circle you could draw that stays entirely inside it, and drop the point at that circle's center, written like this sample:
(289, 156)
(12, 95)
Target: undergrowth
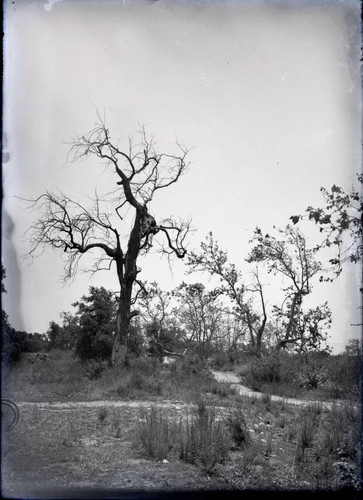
(309, 376)
(63, 377)
(197, 438)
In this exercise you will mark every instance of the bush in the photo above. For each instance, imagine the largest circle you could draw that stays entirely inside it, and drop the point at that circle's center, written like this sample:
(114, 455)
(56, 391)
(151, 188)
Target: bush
(95, 368)
(220, 360)
(141, 378)
(340, 431)
(60, 375)
(12, 341)
(155, 434)
(145, 365)
(305, 436)
(332, 439)
(204, 439)
(343, 374)
(313, 373)
(274, 369)
(192, 365)
(222, 390)
(198, 439)
(237, 426)
(102, 413)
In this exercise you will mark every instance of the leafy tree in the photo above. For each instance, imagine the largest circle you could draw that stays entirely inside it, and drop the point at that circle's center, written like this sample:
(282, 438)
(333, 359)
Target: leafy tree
(309, 330)
(96, 316)
(63, 337)
(200, 313)
(289, 256)
(35, 342)
(352, 349)
(65, 224)
(154, 306)
(136, 342)
(12, 341)
(213, 260)
(340, 221)
(54, 334)
(163, 336)
(3, 277)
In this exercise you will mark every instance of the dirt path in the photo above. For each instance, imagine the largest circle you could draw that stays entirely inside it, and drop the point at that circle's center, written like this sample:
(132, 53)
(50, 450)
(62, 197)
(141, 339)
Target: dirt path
(223, 377)
(70, 405)
(234, 381)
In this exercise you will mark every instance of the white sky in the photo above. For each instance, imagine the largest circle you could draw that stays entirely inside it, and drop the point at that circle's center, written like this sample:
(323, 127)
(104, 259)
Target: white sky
(266, 93)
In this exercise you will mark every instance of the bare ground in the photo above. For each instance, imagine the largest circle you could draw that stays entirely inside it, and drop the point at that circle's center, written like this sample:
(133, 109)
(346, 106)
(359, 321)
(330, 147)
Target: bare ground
(64, 449)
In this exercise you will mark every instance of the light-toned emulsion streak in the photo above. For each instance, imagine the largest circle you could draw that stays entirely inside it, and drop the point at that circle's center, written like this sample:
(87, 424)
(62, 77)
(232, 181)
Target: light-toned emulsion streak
(267, 95)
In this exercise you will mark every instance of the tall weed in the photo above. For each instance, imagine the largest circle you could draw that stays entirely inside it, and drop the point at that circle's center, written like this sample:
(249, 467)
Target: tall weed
(204, 439)
(238, 429)
(156, 434)
(197, 439)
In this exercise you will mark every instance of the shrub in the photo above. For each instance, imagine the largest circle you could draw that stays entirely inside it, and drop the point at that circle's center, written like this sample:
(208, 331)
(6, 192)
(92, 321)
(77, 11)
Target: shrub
(123, 389)
(220, 360)
(198, 439)
(305, 436)
(102, 414)
(95, 368)
(237, 426)
(309, 419)
(204, 439)
(332, 440)
(192, 365)
(343, 374)
(276, 368)
(313, 374)
(222, 390)
(156, 434)
(339, 432)
(138, 381)
(144, 365)
(12, 341)
(266, 401)
(116, 423)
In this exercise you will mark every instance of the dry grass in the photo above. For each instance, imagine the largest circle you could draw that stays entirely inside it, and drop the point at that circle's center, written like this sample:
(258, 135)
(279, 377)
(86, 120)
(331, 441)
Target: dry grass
(247, 442)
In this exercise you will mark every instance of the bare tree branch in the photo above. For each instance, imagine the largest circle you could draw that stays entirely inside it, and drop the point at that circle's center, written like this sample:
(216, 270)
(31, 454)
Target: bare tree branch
(66, 224)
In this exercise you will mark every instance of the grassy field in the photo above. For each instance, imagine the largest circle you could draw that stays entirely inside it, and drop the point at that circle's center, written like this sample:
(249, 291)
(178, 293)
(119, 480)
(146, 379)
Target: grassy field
(165, 428)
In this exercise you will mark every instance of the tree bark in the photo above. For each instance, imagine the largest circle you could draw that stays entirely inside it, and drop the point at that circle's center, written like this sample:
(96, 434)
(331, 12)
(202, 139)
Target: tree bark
(119, 349)
(127, 272)
(294, 305)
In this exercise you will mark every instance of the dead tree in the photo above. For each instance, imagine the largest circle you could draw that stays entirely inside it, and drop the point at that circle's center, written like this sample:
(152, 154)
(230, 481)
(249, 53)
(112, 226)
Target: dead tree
(65, 224)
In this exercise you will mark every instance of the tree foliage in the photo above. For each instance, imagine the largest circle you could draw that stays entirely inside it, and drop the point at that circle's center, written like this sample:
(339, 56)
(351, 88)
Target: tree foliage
(340, 221)
(96, 315)
(64, 336)
(164, 337)
(214, 261)
(13, 343)
(287, 255)
(200, 313)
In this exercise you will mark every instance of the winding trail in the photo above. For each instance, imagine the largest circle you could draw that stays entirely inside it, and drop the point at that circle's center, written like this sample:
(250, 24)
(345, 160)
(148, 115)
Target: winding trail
(228, 378)
(234, 381)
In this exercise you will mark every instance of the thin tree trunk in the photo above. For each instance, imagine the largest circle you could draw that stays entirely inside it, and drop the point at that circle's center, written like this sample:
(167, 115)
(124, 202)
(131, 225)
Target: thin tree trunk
(290, 325)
